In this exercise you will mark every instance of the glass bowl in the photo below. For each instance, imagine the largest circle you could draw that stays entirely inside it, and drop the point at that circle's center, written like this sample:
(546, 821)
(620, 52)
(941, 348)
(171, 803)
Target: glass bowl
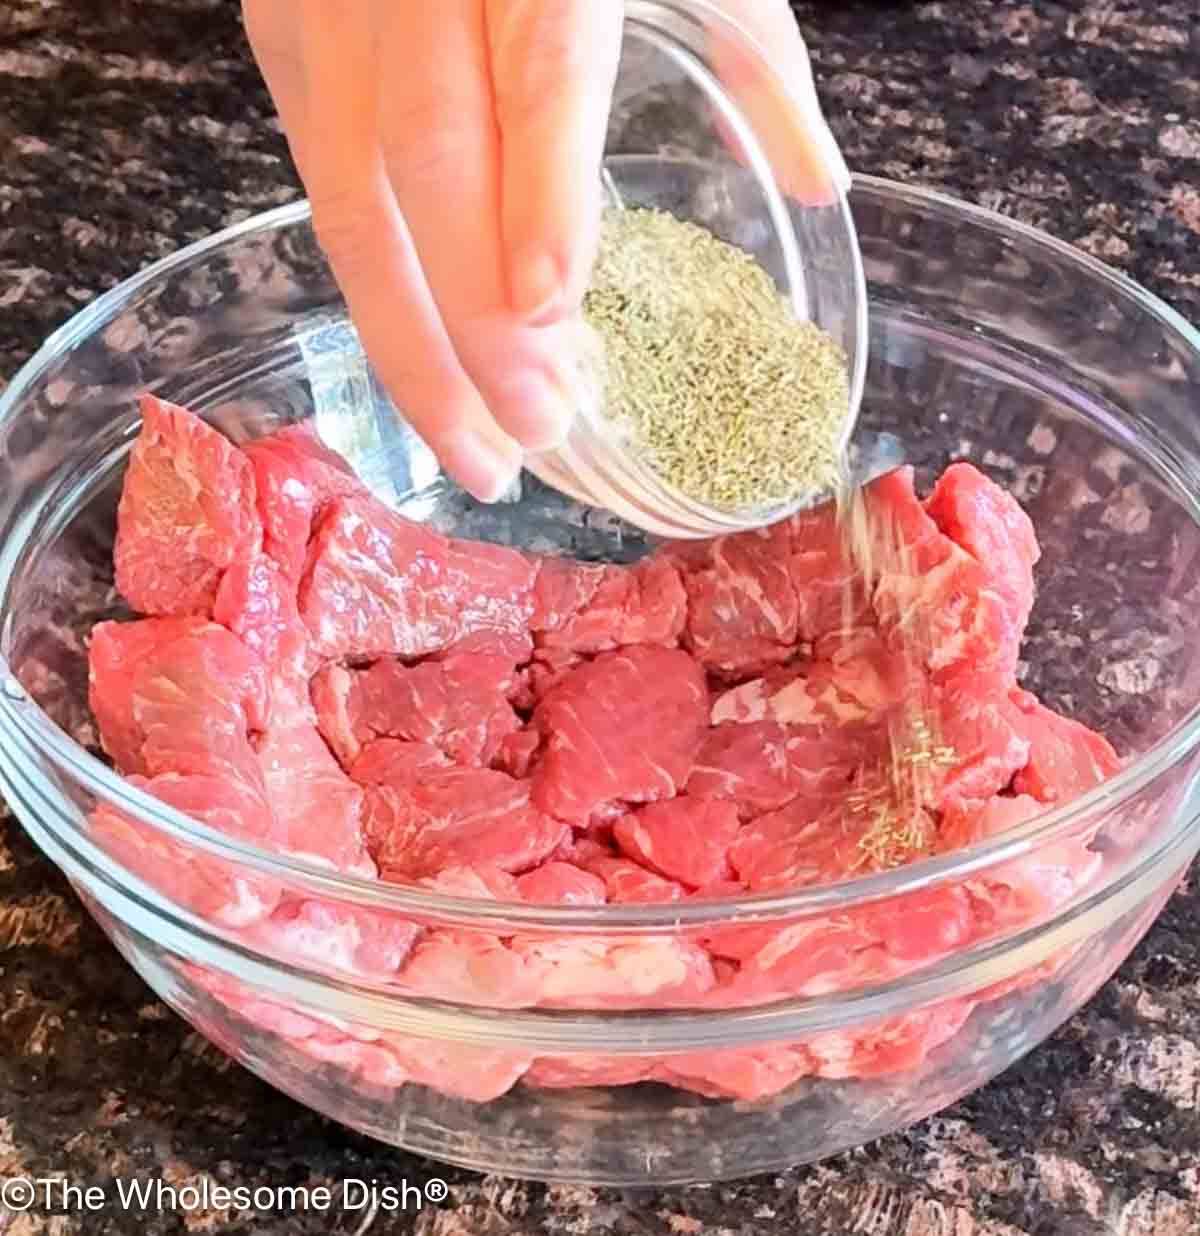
(990, 342)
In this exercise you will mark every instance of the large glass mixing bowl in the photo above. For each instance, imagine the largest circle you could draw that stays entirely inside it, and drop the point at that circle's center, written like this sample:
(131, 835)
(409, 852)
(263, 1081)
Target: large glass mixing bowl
(989, 342)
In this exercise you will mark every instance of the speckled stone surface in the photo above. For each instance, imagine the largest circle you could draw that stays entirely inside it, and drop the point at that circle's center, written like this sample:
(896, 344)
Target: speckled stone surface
(129, 127)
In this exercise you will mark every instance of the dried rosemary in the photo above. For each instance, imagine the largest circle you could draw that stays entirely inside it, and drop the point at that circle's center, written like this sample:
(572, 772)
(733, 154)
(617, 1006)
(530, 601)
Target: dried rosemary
(897, 804)
(713, 381)
(899, 797)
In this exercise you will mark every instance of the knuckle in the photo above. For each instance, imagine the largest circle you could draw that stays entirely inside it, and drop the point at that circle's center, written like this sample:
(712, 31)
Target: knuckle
(542, 57)
(423, 137)
(422, 143)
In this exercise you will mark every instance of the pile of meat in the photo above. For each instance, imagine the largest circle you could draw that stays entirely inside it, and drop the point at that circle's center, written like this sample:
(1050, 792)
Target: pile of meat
(320, 677)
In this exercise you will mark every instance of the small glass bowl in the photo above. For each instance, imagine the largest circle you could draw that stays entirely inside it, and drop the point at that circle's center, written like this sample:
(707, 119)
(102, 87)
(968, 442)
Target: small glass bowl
(676, 100)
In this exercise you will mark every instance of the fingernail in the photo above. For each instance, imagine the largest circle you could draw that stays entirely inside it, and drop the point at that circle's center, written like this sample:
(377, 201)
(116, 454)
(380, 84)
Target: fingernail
(536, 409)
(484, 461)
(536, 286)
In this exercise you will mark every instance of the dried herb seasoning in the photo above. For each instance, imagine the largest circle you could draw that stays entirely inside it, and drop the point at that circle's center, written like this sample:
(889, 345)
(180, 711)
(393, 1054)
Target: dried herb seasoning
(705, 370)
(898, 798)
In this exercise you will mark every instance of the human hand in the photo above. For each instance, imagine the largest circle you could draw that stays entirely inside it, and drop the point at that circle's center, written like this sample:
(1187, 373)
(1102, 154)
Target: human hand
(450, 150)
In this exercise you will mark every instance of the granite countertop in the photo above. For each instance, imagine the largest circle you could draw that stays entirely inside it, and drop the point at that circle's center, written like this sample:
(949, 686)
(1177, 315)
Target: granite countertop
(130, 127)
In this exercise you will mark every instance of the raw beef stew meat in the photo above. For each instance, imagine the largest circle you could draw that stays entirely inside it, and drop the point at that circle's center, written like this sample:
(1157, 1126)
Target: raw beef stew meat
(318, 676)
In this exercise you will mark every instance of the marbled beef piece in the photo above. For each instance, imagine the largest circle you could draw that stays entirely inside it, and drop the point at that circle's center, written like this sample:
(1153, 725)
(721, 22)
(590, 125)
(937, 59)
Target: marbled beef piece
(989, 524)
(685, 839)
(187, 512)
(762, 765)
(1066, 759)
(580, 608)
(177, 695)
(624, 728)
(338, 939)
(256, 600)
(296, 476)
(423, 814)
(949, 610)
(459, 705)
(742, 608)
(378, 585)
(184, 704)
(318, 810)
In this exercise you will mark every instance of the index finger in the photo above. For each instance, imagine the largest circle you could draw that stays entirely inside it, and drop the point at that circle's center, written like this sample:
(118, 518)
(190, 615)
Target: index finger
(554, 67)
(318, 60)
(442, 147)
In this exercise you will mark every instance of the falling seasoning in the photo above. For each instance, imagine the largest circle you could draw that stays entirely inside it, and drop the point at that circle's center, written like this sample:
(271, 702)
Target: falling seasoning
(894, 806)
(705, 370)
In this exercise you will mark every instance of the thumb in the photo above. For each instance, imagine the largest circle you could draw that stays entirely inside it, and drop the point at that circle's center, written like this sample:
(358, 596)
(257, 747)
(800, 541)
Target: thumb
(780, 103)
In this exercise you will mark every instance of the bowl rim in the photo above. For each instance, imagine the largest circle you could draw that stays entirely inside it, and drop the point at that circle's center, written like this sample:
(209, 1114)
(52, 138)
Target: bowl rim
(29, 724)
